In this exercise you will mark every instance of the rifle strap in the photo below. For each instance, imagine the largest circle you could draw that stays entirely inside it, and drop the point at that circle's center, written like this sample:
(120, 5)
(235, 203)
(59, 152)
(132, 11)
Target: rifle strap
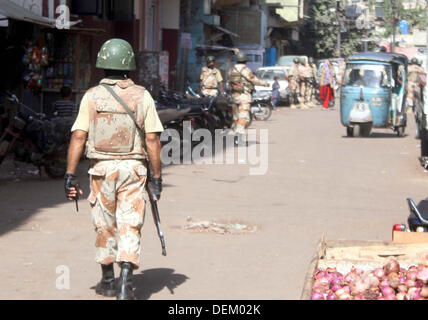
(130, 113)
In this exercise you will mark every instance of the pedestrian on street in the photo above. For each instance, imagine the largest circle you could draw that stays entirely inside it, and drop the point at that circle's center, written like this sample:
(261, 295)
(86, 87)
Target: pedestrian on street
(119, 124)
(305, 80)
(294, 85)
(211, 79)
(65, 107)
(275, 92)
(242, 81)
(326, 83)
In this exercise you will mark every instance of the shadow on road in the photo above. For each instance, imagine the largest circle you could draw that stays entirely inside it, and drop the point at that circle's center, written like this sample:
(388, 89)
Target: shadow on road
(378, 135)
(151, 281)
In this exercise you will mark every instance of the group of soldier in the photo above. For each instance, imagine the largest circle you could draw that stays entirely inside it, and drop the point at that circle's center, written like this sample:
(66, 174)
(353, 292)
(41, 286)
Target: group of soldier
(302, 82)
(241, 83)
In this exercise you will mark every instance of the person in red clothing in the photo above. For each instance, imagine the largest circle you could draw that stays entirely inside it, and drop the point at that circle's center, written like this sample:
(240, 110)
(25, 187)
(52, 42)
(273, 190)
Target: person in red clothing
(327, 88)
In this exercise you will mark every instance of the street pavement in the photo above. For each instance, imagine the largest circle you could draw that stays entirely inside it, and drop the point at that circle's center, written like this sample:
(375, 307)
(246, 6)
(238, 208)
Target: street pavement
(319, 183)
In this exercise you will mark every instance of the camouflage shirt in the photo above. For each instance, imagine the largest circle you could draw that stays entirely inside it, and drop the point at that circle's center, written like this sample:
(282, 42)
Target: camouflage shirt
(210, 78)
(248, 78)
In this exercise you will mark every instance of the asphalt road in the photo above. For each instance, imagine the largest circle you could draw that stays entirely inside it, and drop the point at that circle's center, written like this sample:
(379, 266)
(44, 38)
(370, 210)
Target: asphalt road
(319, 182)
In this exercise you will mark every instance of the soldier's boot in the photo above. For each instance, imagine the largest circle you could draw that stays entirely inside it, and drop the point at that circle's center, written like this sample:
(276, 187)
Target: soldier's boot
(239, 140)
(106, 287)
(125, 290)
(293, 106)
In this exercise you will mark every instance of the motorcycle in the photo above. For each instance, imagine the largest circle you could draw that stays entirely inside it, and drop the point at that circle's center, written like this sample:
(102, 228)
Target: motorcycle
(261, 106)
(33, 138)
(418, 218)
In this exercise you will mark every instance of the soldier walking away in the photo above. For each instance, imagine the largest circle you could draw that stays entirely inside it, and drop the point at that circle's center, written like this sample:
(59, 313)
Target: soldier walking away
(305, 81)
(415, 72)
(211, 79)
(242, 82)
(314, 81)
(118, 151)
(294, 84)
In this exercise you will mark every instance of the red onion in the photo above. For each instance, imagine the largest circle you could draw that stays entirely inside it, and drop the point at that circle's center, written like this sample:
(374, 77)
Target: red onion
(336, 281)
(401, 296)
(387, 291)
(403, 279)
(345, 296)
(379, 273)
(381, 298)
(340, 292)
(424, 292)
(391, 297)
(385, 283)
(351, 276)
(412, 274)
(373, 282)
(410, 283)
(336, 287)
(412, 268)
(402, 288)
(414, 293)
(392, 266)
(422, 274)
(347, 289)
(331, 296)
(394, 281)
(317, 296)
(320, 274)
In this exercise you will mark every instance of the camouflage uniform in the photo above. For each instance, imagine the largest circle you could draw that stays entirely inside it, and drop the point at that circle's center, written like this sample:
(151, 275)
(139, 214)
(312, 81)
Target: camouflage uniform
(242, 96)
(305, 80)
(294, 85)
(314, 81)
(118, 168)
(413, 85)
(210, 79)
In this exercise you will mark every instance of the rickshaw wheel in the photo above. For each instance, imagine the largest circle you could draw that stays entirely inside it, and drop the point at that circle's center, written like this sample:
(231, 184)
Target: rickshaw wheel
(366, 130)
(349, 132)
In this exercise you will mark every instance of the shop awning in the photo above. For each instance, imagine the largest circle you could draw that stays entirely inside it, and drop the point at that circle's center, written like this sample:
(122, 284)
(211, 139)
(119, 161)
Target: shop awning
(14, 11)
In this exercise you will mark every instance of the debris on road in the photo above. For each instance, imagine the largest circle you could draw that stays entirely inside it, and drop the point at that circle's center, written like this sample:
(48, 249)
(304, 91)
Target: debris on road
(216, 227)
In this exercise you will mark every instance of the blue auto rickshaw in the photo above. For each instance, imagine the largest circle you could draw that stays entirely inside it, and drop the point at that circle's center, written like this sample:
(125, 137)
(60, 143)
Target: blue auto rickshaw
(373, 93)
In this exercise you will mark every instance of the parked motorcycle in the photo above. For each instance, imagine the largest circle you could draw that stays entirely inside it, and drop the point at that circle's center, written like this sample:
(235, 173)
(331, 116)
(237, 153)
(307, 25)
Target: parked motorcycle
(33, 138)
(261, 107)
(418, 218)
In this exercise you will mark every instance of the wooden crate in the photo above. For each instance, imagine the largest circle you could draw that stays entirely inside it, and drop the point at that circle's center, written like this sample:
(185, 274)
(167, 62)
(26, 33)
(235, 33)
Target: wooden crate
(366, 255)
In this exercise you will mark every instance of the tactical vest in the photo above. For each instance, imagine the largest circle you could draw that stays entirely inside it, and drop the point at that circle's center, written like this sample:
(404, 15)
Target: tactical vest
(238, 82)
(413, 73)
(112, 132)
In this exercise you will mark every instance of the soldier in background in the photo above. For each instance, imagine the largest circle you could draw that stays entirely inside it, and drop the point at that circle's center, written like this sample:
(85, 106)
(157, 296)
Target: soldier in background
(118, 166)
(305, 83)
(242, 82)
(413, 85)
(211, 79)
(294, 84)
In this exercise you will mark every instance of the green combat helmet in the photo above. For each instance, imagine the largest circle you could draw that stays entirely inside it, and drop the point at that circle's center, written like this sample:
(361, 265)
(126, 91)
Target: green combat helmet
(302, 60)
(116, 54)
(296, 60)
(241, 57)
(414, 61)
(210, 59)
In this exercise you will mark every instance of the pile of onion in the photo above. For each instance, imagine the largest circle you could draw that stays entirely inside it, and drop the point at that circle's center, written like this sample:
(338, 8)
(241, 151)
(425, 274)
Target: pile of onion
(388, 283)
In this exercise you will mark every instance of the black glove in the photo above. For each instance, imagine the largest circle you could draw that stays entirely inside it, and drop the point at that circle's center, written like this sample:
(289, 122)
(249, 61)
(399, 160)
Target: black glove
(155, 185)
(70, 181)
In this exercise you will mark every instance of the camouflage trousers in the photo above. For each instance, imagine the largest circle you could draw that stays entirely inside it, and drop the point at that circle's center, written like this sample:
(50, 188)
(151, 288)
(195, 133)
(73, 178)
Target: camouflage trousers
(118, 199)
(295, 92)
(413, 91)
(305, 90)
(241, 111)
